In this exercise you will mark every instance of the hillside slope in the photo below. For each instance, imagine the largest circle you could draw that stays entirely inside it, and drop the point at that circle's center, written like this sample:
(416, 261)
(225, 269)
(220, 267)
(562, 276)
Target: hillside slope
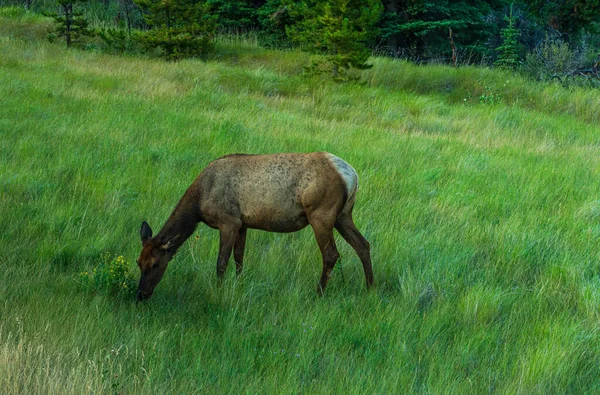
(484, 221)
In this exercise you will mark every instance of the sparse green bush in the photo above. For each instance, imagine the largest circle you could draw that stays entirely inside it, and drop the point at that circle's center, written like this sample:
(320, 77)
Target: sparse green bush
(12, 12)
(555, 58)
(552, 56)
(489, 96)
(112, 275)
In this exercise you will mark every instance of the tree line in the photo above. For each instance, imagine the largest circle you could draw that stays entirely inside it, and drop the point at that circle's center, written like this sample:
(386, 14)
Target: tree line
(557, 34)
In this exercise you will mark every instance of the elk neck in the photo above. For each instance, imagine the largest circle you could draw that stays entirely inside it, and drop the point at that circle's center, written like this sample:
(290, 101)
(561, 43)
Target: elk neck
(182, 222)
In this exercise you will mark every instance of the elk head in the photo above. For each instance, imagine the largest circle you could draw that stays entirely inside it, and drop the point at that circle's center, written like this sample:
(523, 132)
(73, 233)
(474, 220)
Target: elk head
(153, 260)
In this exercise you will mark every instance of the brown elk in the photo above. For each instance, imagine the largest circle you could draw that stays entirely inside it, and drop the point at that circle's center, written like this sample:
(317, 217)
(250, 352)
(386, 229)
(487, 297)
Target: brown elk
(276, 193)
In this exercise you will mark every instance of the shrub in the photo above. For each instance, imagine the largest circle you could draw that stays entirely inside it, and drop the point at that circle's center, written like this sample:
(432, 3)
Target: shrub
(180, 28)
(118, 41)
(177, 43)
(555, 58)
(112, 275)
(12, 12)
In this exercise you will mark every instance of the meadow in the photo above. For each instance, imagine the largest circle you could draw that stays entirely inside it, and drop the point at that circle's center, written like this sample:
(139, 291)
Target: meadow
(479, 193)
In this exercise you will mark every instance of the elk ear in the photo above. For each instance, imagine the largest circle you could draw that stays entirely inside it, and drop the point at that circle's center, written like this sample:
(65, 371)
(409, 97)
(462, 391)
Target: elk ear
(145, 232)
(169, 243)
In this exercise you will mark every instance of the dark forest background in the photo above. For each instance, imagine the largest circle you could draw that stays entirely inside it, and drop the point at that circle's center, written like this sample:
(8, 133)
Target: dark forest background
(556, 36)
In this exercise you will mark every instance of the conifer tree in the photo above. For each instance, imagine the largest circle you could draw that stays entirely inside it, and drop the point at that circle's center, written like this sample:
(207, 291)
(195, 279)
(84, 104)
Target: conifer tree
(236, 15)
(508, 52)
(179, 28)
(419, 28)
(337, 29)
(70, 24)
(568, 16)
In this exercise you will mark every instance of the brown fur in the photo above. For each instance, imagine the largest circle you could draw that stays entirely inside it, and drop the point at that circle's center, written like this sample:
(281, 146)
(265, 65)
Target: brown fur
(276, 193)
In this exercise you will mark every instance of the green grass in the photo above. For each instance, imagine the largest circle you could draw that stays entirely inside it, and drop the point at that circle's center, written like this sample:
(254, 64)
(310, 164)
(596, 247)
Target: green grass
(484, 221)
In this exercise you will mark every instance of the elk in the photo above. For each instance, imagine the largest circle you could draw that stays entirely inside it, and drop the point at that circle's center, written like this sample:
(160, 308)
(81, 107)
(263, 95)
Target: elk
(276, 193)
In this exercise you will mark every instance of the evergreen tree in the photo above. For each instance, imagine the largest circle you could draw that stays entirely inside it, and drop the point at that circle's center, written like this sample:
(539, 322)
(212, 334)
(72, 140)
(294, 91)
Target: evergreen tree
(126, 17)
(567, 16)
(237, 15)
(508, 52)
(179, 28)
(268, 18)
(274, 20)
(70, 24)
(420, 27)
(337, 29)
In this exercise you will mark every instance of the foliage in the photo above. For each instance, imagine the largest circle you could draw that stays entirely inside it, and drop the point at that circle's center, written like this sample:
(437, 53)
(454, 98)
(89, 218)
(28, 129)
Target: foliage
(179, 28)
(568, 16)
(111, 275)
(70, 24)
(508, 56)
(274, 19)
(12, 12)
(236, 16)
(267, 19)
(413, 29)
(489, 96)
(554, 58)
(421, 26)
(128, 17)
(337, 29)
(118, 41)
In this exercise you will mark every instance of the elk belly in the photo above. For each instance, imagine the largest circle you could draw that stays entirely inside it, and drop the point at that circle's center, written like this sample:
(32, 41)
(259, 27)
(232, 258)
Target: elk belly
(274, 219)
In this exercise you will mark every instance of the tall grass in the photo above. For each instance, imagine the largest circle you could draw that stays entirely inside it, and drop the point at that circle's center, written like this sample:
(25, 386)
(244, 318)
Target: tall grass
(484, 220)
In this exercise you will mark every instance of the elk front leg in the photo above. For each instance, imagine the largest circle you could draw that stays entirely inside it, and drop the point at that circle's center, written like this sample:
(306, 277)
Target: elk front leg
(238, 251)
(227, 239)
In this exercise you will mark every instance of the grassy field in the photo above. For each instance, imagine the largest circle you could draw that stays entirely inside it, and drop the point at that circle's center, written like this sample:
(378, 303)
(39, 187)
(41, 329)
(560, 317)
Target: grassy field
(479, 192)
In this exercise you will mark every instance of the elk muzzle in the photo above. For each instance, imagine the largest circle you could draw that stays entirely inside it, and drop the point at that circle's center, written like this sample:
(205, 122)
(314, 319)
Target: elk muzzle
(145, 289)
(141, 295)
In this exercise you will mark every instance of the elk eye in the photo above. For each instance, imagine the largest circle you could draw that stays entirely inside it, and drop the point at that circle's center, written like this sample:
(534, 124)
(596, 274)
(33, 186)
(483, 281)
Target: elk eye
(155, 264)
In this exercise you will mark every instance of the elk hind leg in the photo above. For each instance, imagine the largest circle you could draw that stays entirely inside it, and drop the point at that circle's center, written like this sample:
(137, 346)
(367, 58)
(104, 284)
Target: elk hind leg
(345, 225)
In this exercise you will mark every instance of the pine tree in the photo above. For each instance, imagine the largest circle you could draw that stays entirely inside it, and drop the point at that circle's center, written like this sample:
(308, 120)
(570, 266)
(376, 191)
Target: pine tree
(179, 28)
(508, 52)
(419, 28)
(70, 24)
(568, 16)
(274, 19)
(236, 15)
(337, 29)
